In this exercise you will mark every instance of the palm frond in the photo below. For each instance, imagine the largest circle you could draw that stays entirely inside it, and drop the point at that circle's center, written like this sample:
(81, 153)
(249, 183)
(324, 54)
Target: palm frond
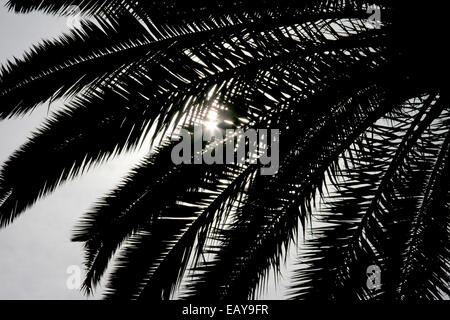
(315, 69)
(116, 117)
(64, 67)
(64, 7)
(425, 270)
(370, 210)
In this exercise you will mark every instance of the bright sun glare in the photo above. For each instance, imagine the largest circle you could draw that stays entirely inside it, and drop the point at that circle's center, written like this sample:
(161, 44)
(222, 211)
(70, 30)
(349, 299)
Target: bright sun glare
(212, 120)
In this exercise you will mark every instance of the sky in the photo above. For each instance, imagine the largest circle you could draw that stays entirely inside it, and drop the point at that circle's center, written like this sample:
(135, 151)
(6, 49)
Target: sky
(35, 251)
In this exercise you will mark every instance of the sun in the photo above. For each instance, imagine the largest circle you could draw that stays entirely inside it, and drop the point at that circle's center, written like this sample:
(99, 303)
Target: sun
(212, 120)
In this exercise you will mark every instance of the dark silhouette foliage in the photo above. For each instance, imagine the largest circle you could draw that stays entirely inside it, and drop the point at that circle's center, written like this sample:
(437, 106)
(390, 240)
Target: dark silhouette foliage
(365, 131)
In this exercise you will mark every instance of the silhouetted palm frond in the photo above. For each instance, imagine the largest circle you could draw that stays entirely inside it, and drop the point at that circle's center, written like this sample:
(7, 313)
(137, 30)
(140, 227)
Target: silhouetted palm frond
(363, 131)
(370, 218)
